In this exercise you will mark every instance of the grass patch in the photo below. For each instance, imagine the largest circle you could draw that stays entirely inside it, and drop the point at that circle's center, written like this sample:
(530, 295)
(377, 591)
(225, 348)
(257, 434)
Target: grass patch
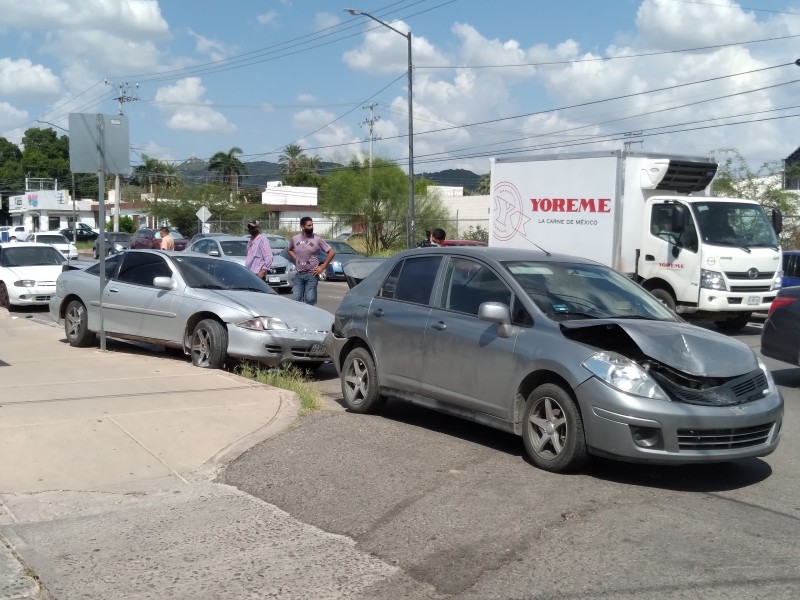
(287, 377)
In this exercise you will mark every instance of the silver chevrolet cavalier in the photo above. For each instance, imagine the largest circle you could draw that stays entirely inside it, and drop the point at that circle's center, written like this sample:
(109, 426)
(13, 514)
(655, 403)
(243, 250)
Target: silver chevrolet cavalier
(210, 308)
(567, 353)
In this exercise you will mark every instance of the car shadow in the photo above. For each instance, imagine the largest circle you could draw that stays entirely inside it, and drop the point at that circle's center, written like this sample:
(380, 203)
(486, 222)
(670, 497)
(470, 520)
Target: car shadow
(702, 478)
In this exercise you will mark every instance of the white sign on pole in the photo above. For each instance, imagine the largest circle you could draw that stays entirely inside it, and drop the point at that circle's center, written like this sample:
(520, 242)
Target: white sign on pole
(203, 214)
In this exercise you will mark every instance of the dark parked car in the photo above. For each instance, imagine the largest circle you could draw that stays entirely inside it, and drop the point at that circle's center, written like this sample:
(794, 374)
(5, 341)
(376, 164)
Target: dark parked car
(85, 233)
(567, 353)
(344, 254)
(780, 337)
(116, 242)
(150, 239)
(791, 268)
(462, 243)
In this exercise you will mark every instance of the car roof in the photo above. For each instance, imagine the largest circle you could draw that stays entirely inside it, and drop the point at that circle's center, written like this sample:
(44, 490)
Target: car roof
(497, 254)
(23, 245)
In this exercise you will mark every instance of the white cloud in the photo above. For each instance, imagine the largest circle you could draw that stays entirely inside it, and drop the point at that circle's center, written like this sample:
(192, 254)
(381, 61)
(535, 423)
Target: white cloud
(325, 20)
(187, 110)
(330, 134)
(306, 98)
(214, 49)
(23, 78)
(12, 117)
(267, 18)
(385, 51)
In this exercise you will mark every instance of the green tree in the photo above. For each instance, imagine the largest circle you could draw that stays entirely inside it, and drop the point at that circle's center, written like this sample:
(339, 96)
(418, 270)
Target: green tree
(228, 167)
(379, 202)
(484, 184)
(291, 159)
(126, 224)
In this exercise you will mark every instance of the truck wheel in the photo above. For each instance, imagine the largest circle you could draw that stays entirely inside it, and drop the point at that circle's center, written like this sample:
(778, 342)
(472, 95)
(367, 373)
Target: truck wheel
(735, 323)
(664, 297)
(552, 430)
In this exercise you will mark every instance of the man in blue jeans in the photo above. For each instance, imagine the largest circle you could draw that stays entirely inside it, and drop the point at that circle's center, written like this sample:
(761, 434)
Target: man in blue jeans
(303, 248)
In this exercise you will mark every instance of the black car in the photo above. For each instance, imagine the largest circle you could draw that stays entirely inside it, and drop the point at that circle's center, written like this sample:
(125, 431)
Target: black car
(116, 242)
(85, 233)
(780, 337)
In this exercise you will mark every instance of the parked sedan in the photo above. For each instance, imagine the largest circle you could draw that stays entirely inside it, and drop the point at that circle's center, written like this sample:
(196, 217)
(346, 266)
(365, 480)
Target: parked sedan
(780, 337)
(344, 254)
(210, 308)
(235, 248)
(28, 273)
(146, 239)
(567, 353)
(57, 241)
(116, 242)
(85, 233)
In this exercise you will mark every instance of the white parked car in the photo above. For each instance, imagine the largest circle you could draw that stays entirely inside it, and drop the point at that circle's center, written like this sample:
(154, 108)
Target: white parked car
(56, 240)
(28, 273)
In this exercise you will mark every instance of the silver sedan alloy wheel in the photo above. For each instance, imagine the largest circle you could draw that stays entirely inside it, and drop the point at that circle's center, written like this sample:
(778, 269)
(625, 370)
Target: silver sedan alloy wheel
(356, 381)
(548, 428)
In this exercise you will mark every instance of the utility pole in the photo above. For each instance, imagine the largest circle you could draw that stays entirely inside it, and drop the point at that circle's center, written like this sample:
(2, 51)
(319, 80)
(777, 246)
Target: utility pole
(123, 95)
(631, 139)
(371, 120)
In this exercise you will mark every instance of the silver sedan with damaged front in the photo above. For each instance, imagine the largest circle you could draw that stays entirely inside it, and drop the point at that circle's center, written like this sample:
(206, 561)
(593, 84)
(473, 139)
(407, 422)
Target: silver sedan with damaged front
(567, 353)
(210, 308)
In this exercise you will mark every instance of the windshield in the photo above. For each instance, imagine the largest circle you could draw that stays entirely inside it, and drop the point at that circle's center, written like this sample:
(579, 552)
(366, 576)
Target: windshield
(734, 224)
(217, 274)
(51, 239)
(234, 248)
(570, 291)
(30, 256)
(278, 243)
(341, 247)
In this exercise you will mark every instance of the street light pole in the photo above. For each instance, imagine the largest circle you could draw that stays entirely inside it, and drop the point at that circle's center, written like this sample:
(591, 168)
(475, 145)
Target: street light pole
(410, 225)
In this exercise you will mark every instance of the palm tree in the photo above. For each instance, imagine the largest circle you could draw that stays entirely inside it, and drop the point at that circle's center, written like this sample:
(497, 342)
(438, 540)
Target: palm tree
(228, 167)
(150, 174)
(291, 161)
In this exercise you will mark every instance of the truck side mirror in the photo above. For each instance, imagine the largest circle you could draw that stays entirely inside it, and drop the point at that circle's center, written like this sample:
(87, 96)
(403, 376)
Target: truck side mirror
(777, 220)
(678, 218)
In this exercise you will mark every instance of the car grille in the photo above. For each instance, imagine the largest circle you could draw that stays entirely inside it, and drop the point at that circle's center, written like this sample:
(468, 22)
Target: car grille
(723, 439)
(274, 348)
(278, 270)
(746, 290)
(739, 390)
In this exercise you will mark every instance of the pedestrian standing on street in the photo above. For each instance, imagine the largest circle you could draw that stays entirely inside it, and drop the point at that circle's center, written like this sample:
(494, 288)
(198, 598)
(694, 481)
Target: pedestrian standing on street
(303, 248)
(259, 253)
(434, 238)
(167, 243)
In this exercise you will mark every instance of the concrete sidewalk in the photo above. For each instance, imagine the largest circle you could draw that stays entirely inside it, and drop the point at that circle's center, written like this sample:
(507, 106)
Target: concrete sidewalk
(107, 461)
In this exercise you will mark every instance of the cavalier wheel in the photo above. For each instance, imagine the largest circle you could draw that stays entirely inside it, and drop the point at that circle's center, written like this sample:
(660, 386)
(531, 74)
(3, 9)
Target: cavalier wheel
(553, 430)
(76, 325)
(209, 344)
(360, 383)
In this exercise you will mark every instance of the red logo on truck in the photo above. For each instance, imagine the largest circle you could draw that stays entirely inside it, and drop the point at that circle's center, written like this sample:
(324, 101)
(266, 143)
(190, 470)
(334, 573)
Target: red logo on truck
(590, 205)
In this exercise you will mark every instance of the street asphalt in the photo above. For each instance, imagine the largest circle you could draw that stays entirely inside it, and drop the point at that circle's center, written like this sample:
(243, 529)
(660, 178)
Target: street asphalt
(108, 463)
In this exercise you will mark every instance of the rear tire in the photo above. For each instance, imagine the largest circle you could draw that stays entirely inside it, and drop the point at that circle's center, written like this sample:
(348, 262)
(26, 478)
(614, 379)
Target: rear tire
(360, 383)
(209, 347)
(664, 297)
(76, 325)
(734, 324)
(95, 253)
(552, 430)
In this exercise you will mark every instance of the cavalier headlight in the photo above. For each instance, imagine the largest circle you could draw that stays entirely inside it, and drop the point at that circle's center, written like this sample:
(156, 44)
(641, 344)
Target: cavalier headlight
(25, 283)
(264, 324)
(712, 280)
(624, 375)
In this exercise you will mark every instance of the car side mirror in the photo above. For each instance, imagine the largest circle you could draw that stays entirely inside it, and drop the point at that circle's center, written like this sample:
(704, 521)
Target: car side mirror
(164, 283)
(496, 312)
(213, 252)
(777, 220)
(676, 251)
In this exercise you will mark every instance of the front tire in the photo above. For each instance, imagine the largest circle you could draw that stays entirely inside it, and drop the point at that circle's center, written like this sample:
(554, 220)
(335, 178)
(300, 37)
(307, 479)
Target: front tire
(96, 253)
(664, 297)
(76, 325)
(734, 324)
(552, 430)
(360, 383)
(5, 301)
(209, 347)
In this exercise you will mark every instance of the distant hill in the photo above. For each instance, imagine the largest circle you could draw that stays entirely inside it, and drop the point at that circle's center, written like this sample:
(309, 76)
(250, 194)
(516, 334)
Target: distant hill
(195, 172)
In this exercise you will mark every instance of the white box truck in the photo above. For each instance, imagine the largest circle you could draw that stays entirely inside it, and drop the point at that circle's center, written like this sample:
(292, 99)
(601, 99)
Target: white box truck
(649, 216)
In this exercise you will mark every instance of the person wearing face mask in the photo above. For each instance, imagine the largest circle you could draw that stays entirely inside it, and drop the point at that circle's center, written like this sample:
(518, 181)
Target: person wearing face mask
(259, 253)
(303, 248)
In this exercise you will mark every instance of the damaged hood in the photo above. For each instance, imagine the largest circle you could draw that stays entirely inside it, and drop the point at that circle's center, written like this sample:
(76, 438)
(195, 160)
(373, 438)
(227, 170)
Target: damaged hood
(683, 347)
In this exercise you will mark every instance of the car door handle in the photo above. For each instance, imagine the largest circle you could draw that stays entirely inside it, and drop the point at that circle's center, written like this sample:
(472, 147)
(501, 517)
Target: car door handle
(440, 326)
(378, 313)
(113, 290)
(649, 257)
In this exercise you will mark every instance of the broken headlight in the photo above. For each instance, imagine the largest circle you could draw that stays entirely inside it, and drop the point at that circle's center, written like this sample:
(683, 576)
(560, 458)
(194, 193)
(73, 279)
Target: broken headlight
(624, 375)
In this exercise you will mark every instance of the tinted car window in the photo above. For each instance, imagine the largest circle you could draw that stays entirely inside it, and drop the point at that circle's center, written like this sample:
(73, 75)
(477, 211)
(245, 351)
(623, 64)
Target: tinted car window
(28, 256)
(141, 269)
(111, 266)
(212, 273)
(414, 280)
(468, 284)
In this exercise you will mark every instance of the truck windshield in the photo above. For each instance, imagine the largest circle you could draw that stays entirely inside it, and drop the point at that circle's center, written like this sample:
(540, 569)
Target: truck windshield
(734, 224)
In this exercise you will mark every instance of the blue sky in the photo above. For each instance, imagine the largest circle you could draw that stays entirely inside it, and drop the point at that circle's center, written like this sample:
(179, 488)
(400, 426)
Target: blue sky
(511, 76)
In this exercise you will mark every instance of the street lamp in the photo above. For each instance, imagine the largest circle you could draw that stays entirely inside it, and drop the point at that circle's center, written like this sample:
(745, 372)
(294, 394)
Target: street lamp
(411, 216)
(74, 209)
